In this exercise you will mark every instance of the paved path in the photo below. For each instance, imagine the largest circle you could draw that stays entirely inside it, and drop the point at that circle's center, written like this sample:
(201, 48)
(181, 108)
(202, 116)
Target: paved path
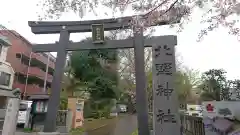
(126, 125)
(22, 133)
(210, 133)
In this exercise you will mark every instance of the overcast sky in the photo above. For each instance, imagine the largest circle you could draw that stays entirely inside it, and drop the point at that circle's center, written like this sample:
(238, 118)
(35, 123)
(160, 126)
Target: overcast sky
(217, 50)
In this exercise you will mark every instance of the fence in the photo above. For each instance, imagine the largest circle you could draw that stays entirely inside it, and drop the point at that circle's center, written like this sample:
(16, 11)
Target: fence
(62, 118)
(192, 125)
(2, 117)
(61, 121)
(64, 121)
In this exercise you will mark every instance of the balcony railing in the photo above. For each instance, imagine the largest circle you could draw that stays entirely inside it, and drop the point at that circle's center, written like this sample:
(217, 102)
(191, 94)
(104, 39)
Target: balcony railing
(43, 60)
(34, 71)
(190, 125)
(30, 89)
(36, 61)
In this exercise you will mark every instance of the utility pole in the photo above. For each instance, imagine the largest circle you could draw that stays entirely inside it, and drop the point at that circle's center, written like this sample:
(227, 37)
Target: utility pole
(46, 74)
(26, 81)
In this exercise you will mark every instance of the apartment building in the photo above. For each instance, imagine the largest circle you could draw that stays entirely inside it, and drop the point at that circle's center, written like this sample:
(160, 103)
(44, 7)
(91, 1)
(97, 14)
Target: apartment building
(31, 69)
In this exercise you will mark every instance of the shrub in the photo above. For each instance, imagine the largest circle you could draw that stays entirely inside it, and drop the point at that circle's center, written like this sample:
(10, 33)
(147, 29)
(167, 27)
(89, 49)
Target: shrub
(135, 132)
(77, 131)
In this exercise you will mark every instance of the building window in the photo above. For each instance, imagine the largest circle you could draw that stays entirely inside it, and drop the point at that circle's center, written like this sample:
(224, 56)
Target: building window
(5, 78)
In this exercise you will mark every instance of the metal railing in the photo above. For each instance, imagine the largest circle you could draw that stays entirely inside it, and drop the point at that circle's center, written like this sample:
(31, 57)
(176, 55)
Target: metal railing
(190, 125)
(61, 117)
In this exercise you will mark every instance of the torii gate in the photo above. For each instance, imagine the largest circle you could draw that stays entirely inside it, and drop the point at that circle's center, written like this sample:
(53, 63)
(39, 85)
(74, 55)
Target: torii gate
(97, 27)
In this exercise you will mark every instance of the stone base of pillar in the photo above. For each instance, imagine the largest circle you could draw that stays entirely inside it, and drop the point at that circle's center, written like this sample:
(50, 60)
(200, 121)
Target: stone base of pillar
(151, 132)
(48, 133)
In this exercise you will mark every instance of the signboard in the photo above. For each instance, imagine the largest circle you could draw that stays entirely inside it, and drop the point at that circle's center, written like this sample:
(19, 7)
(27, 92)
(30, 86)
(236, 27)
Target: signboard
(225, 112)
(217, 115)
(79, 107)
(40, 107)
(165, 103)
(97, 33)
(224, 109)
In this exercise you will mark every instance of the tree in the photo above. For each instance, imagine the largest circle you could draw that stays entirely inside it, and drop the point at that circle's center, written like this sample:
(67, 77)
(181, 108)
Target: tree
(215, 13)
(127, 75)
(185, 82)
(149, 85)
(214, 85)
(183, 86)
(93, 72)
(73, 86)
(127, 68)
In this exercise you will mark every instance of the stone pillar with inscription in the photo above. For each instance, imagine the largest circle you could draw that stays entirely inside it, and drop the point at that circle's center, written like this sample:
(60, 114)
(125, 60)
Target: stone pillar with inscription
(10, 122)
(166, 119)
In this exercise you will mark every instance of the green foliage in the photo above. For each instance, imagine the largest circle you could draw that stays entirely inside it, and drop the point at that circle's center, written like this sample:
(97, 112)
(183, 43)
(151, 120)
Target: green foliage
(135, 132)
(183, 86)
(214, 82)
(63, 100)
(185, 81)
(27, 130)
(215, 86)
(77, 131)
(93, 67)
(149, 90)
(123, 98)
(102, 88)
(63, 103)
(87, 110)
(87, 65)
(102, 107)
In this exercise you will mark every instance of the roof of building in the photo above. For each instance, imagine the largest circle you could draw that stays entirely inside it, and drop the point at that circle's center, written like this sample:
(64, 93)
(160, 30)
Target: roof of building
(17, 35)
(25, 40)
(4, 40)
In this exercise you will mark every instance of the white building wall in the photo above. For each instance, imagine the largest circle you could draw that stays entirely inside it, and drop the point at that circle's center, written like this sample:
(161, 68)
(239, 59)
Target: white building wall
(5, 67)
(3, 54)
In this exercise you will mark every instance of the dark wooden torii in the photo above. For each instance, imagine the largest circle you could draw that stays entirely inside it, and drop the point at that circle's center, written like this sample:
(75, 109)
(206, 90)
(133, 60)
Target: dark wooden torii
(138, 42)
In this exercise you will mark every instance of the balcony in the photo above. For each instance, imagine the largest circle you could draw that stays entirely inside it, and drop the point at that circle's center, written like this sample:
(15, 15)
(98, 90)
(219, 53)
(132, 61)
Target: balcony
(35, 62)
(40, 61)
(30, 89)
(35, 69)
(36, 72)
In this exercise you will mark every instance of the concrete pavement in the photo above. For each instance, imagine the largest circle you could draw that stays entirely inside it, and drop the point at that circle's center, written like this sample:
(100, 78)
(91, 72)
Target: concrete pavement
(22, 133)
(126, 125)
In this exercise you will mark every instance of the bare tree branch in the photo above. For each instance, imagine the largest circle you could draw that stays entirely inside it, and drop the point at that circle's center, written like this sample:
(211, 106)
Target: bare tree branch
(150, 12)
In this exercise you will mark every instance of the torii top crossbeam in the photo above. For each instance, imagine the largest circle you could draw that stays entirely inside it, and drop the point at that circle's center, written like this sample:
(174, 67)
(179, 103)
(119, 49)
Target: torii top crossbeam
(51, 27)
